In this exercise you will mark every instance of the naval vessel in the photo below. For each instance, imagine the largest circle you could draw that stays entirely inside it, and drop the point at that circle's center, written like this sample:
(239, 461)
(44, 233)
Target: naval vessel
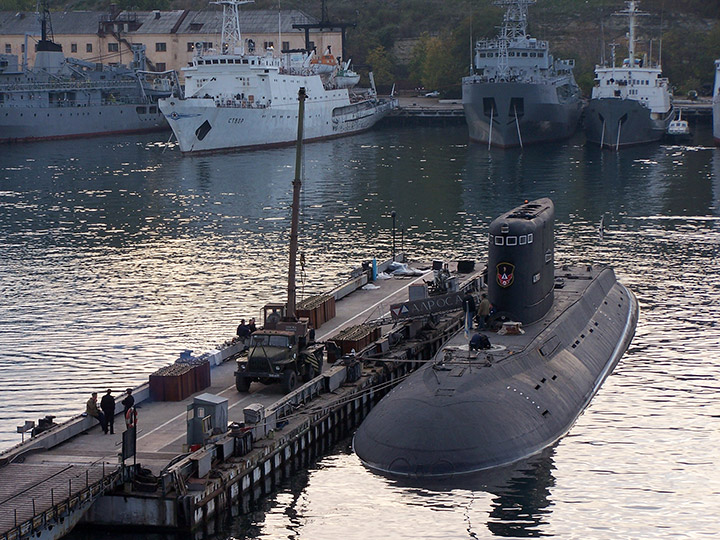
(519, 94)
(716, 104)
(235, 99)
(61, 97)
(481, 403)
(631, 104)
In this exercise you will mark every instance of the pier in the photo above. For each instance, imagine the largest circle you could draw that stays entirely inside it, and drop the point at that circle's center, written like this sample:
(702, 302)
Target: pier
(74, 473)
(427, 111)
(432, 111)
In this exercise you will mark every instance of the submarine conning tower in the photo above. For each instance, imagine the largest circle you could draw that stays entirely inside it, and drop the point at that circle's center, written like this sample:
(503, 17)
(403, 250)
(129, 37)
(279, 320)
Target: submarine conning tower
(521, 275)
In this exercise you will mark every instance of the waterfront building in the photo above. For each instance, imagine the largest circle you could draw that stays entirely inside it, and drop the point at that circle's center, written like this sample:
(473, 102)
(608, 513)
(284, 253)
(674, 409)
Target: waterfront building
(170, 37)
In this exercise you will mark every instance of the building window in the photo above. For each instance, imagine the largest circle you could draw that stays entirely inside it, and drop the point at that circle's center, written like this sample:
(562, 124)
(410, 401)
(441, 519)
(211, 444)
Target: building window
(88, 47)
(22, 48)
(160, 66)
(8, 48)
(73, 47)
(191, 46)
(160, 47)
(312, 45)
(285, 45)
(268, 45)
(113, 47)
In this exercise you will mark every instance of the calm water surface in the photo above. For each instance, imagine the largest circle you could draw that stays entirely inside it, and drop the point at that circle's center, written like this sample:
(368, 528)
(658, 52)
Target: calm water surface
(115, 254)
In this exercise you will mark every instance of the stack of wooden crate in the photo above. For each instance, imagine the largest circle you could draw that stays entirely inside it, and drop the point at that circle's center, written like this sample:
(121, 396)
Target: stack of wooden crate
(354, 338)
(319, 308)
(180, 380)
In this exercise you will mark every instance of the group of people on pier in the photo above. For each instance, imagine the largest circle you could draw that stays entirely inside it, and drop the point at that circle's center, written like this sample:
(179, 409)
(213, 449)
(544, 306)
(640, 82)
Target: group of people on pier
(105, 413)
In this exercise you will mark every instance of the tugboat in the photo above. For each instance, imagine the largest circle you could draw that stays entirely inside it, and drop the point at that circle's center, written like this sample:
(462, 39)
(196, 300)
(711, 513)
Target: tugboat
(631, 104)
(679, 130)
(514, 388)
(519, 94)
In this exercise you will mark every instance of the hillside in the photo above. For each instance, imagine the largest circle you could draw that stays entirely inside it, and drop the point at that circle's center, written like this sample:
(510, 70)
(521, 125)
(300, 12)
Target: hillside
(427, 42)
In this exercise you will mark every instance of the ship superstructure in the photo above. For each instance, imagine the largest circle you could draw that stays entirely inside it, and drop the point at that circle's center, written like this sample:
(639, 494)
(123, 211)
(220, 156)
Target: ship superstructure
(239, 99)
(631, 104)
(519, 94)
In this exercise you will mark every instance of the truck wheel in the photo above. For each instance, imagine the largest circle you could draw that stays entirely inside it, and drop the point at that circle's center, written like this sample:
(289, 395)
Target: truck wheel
(242, 384)
(289, 381)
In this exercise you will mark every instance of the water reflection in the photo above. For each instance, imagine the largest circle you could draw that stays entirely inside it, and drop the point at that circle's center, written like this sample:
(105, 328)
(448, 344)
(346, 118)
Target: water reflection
(520, 506)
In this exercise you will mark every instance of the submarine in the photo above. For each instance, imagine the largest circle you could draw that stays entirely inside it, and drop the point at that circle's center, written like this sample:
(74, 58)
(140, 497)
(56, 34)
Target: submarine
(554, 338)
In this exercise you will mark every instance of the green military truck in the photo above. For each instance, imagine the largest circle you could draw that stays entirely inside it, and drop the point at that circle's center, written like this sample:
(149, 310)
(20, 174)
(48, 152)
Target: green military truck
(283, 351)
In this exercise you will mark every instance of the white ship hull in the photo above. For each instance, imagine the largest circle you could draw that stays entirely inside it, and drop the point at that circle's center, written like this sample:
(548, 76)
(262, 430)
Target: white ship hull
(201, 125)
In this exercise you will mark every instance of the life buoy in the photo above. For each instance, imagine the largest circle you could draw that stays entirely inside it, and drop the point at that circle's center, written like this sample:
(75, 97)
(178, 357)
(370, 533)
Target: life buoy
(131, 417)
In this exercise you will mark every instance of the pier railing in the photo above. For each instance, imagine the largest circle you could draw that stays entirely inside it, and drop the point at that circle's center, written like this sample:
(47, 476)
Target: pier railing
(51, 499)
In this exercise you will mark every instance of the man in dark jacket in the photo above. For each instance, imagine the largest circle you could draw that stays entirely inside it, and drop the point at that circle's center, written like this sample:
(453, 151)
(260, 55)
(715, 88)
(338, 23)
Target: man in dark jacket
(107, 404)
(469, 309)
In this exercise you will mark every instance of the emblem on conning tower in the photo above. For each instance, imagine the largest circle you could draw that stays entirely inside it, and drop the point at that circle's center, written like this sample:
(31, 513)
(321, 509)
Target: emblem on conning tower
(505, 274)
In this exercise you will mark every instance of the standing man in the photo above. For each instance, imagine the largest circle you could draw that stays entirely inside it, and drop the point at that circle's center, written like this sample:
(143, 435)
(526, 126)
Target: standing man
(107, 404)
(484, 311)
(92, 410)
(469, 309)
(130, 412)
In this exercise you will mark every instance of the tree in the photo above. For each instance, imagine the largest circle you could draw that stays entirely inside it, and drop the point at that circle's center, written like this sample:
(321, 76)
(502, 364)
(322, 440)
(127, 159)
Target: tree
(382, 66)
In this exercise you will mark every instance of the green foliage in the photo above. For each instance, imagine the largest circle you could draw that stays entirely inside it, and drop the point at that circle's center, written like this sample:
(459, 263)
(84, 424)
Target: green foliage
(17, 5)
(382, 67)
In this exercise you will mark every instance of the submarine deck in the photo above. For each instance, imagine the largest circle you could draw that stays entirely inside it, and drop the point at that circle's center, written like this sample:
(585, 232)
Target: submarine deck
(570, 285)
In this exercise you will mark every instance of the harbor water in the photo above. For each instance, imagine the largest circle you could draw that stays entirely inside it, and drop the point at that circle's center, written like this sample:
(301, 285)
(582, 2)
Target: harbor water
(117, 253)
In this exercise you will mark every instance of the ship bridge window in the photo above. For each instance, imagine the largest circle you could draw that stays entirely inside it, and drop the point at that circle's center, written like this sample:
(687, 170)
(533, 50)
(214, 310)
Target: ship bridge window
(499, 240)
(511, 53)
(482, 55)
(533, 55)
(524, 55)
(530, 238)
(522, 239)
(511, 241)
(540, 55)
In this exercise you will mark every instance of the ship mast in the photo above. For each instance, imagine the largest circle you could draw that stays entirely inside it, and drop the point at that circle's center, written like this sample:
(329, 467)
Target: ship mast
(514, 27)
(631, 11)
(231, 39)
(295, 220)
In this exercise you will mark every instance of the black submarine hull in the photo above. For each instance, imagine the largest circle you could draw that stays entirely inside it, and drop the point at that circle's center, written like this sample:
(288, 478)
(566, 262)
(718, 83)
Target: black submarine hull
(469, 411)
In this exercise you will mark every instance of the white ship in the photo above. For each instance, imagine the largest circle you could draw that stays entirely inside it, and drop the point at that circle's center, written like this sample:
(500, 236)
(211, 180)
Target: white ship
(631, 104)
(716, 104)
(238, 100)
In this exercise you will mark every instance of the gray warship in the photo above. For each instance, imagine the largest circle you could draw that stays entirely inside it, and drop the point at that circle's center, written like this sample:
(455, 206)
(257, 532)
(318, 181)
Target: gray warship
(480, 404)
(519, 93)
(63, 97)
(630, 104)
